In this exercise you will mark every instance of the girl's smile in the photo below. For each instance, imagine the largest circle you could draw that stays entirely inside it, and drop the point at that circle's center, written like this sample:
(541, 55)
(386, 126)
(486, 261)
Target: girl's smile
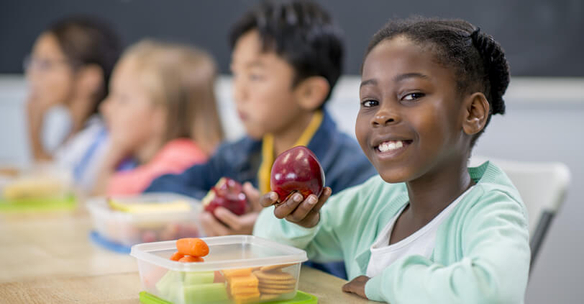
(390, 147)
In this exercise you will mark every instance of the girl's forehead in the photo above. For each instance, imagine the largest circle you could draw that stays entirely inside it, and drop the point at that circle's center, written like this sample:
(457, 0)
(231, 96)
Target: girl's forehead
(398, 50)
(401, 55)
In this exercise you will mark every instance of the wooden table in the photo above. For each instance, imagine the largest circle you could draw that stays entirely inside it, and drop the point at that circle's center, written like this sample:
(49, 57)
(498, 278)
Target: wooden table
(48, 258)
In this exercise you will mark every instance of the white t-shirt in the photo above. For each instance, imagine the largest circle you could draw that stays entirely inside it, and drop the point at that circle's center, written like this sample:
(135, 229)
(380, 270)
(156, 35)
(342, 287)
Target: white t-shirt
(421, 242)
(83, 153)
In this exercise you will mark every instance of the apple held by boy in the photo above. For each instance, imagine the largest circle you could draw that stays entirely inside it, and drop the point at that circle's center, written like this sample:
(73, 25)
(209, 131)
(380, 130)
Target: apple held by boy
(227, 193)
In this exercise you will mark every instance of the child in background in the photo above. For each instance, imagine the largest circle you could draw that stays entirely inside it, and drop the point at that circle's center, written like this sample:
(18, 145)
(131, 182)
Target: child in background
(161, 112)
(70, 66)
(286, 59)
(427, 229)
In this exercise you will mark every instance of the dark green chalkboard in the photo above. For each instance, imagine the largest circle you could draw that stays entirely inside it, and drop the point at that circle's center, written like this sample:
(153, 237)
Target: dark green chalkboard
(542, 38)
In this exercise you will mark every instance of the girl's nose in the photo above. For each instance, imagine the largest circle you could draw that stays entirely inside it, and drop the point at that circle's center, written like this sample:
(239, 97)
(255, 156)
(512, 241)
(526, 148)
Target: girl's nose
(386, 115)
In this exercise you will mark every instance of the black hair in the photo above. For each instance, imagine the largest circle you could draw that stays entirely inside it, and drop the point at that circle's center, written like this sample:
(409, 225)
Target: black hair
(85, 40)
(478, 61)
(302, 33)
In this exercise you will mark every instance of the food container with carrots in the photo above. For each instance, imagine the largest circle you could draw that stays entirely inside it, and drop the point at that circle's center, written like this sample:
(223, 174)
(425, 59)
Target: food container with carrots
(130, 220)
(226, 269)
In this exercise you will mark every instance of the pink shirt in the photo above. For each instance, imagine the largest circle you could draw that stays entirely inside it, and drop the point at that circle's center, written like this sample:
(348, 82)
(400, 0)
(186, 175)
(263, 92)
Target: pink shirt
(175, 157)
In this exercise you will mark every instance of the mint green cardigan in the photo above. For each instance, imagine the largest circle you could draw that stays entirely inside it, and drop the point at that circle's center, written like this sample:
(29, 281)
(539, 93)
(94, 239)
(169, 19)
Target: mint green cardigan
(481, 255)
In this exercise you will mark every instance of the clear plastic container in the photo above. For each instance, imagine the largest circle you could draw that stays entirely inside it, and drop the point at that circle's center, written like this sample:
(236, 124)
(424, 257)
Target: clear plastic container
(38, 187)
(157, 223)
(238, 269)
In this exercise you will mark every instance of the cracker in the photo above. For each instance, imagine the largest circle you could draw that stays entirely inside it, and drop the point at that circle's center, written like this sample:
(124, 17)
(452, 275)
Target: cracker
(278, 283)
(279, 288)
(273, 276)
(270, 291)
(272, 268)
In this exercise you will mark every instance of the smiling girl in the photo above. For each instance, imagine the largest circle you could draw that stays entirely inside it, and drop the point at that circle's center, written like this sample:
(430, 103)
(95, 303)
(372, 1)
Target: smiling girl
(428, 229)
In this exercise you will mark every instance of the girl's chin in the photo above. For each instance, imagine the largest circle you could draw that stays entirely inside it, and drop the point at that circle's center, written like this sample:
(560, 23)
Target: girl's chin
(394, 177)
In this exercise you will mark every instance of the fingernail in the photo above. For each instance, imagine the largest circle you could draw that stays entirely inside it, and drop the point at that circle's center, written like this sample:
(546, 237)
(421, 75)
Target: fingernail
(297, 197)
(312, 200)
(273, 196)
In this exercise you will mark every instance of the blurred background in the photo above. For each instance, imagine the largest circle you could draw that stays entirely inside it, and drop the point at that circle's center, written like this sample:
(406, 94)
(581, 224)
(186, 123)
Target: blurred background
(543, 40)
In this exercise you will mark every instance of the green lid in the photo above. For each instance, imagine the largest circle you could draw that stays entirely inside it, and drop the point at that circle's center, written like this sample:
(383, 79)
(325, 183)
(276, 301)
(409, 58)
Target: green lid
(300, 298)
(49, 204)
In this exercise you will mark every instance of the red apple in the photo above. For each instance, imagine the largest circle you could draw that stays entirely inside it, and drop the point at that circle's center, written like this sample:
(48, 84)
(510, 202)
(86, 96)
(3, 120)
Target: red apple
(297, 169)
(226, 193)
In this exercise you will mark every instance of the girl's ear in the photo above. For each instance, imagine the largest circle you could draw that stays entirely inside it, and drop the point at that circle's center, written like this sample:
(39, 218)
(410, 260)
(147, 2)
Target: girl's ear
(475, 114)
(311, 92)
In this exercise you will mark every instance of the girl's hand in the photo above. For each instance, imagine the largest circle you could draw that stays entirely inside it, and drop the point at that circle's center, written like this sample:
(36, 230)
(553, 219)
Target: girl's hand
(304, 213)
(357, 286)
(225, 222)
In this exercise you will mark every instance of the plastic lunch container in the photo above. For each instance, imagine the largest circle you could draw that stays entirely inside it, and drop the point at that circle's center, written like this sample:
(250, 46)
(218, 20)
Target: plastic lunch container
(130, 228)
(40, 187)
(238, 269)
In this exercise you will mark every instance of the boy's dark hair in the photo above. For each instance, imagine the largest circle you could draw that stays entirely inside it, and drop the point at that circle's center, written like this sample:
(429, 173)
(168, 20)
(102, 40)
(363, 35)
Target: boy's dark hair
(477, 59)
(302, 33)
(86, 40)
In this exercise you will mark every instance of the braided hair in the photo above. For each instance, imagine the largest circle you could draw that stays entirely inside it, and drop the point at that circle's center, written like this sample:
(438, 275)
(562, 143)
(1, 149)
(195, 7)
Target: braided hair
(478, 61)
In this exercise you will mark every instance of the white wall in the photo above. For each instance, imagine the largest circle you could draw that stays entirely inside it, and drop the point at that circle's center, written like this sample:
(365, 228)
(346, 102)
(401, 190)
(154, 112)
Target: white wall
(13, 145)
(544, 122)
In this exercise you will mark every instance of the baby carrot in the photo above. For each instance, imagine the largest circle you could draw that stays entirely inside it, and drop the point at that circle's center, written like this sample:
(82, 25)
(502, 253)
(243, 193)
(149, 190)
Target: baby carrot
(176, 256)
(191, 259)
(192, 246)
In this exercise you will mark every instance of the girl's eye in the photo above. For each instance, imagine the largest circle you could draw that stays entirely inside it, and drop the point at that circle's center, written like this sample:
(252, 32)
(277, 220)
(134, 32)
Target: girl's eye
(369, 103)
(413, 96)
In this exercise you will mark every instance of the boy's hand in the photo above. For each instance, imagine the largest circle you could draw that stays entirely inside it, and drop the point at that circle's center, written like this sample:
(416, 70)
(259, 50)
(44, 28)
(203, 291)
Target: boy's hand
(357, 286)
(226, 222)
(304, 213)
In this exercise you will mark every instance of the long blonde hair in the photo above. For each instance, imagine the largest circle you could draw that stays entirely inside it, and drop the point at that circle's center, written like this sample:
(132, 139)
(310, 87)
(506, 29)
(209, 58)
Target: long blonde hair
(181, 79)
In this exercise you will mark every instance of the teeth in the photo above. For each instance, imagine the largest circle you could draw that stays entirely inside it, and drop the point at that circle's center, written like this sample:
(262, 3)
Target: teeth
(390, 145)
